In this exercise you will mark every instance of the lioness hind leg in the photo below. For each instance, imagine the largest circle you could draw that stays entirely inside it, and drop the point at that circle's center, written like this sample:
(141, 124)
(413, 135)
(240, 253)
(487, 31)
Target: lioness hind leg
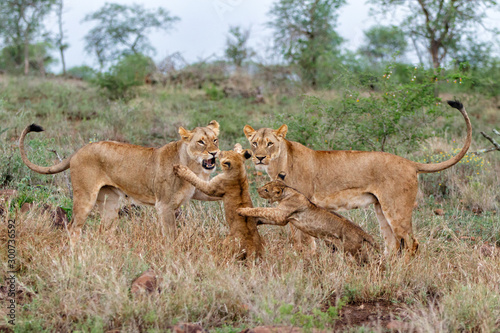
(390, 241)
(400, 222)
(108, 202)
(83, 203)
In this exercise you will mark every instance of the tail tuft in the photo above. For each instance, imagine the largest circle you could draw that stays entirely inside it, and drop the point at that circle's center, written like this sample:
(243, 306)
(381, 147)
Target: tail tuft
(35, 128)
(456, 104)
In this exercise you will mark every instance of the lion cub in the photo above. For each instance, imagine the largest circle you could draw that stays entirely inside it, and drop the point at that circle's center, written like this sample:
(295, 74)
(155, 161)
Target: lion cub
(297, 209)
(232, 186)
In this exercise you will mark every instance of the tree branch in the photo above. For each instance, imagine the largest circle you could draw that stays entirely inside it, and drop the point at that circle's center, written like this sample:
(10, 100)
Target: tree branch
(496, 145)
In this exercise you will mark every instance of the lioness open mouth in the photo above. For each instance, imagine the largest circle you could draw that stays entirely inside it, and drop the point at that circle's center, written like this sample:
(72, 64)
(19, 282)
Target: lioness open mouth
(208, 164)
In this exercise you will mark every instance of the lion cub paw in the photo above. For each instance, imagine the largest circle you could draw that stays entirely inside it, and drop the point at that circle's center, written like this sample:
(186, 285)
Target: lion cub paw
(243, 211)
(180, 169)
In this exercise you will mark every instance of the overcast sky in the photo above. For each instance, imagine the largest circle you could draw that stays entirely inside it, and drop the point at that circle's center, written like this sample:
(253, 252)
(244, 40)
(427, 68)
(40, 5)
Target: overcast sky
(204, 26)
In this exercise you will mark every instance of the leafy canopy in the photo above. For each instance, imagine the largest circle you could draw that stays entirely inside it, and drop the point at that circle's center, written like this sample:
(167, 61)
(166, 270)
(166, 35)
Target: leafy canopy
(123, 29)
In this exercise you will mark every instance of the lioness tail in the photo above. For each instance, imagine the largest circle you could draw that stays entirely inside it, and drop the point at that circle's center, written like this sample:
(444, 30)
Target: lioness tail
(43, 170)
(427, 168)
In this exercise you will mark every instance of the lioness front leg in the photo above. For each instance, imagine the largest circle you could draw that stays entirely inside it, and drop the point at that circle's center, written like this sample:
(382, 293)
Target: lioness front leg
(166, 213)
(209, 188)
(271, 216)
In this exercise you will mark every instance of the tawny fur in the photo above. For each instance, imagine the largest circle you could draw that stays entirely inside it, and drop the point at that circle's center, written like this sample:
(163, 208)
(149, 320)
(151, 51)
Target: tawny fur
(344, 180)
(317, 222)
(104, 172)
(232, 186)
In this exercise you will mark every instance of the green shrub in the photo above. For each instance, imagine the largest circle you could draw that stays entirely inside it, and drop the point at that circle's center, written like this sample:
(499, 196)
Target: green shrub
(391, 118)
(130, 71)
(84, 72)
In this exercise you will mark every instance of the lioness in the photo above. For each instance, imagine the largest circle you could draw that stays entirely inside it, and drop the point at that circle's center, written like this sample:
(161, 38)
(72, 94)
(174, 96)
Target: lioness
(295, 208)
(344, 180)
(232, 186)
(106, 171)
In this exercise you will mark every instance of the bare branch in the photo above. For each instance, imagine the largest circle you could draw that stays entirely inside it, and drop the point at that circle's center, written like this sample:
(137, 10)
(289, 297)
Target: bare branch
(496, 145)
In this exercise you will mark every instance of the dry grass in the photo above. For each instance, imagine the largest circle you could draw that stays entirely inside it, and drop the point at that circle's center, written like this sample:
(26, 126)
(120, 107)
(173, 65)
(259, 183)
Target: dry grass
(453, 284)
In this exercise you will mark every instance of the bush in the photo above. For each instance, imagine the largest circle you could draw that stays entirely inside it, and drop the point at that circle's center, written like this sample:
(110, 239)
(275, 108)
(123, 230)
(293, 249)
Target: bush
(130, 71)
(84, 72)
(392, 118)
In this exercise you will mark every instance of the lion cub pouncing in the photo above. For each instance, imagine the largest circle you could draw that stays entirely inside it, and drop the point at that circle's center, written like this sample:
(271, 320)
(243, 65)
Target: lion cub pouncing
(232, 186)
(295, 208)
(343, 180)
(106, 171)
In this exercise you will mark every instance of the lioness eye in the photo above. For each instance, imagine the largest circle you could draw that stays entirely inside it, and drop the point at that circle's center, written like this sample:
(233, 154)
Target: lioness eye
(215, 140)
(201, 142)
(265, 190)
(254, 144)
(269, 144)
(227, 164)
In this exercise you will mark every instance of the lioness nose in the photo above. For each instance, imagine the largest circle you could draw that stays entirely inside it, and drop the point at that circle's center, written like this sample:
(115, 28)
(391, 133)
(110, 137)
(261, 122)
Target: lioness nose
(260, 158)
(213, 153)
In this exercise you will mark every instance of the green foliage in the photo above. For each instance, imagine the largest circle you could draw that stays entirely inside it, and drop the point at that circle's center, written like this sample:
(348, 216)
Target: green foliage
(83, 72)
(315, 319)
(237, 49)
(381, 42)
(21, 23)
(130, 71)
(214, 93)
(123, 29)
(12, 58)
(438, 27)
(304, 33)
(391, 119)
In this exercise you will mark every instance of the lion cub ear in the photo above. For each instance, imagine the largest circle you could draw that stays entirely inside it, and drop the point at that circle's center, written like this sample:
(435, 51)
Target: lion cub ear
(214, 126)
(249, 131)
(247, 153)
(281, 176)
(185, 134)
(281, 132)
(238, 148)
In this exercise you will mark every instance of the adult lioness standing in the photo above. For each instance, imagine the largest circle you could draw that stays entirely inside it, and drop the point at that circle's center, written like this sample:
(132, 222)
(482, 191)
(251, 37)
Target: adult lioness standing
(106, 171)
(344, 180)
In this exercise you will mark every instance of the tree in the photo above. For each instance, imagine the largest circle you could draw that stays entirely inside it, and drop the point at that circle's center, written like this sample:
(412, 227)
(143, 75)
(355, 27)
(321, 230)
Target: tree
(439, 25)
(123, 29)
(236, 46)
(21, 21)
(381, 42)
(61, 45)
(304, 32)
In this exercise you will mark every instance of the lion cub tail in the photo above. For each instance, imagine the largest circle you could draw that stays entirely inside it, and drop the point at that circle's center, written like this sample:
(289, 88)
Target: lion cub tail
(43, 170)
(427, 168)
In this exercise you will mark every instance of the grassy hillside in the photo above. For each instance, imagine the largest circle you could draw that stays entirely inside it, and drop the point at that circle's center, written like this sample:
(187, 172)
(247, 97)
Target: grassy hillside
(451, 285)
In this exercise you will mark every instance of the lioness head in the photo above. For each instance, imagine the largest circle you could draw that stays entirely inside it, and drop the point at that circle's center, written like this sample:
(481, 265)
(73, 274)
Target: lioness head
(265, 144)
(202, 144)
(234, 160)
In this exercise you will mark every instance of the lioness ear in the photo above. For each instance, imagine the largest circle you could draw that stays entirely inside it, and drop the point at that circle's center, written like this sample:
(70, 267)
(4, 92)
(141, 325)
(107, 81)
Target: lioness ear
(281, 132)
(185, 134)
(214, 126)
(249, 131)
(238, 148)
(247, 153)
(281, 175)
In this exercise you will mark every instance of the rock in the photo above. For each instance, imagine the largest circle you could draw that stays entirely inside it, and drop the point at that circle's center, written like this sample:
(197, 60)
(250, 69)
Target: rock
(146, 282)
(439, 212)
(396, 325)
(488, 250)
(187, 328)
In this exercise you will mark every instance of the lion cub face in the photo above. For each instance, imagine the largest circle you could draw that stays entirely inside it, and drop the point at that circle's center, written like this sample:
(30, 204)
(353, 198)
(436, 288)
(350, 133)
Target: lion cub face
(273, 191)
(202, 144)
(265, 144)
(233, 161)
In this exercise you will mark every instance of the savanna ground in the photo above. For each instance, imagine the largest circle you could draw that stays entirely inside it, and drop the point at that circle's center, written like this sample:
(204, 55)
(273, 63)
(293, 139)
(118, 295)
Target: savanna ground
(453, 284)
